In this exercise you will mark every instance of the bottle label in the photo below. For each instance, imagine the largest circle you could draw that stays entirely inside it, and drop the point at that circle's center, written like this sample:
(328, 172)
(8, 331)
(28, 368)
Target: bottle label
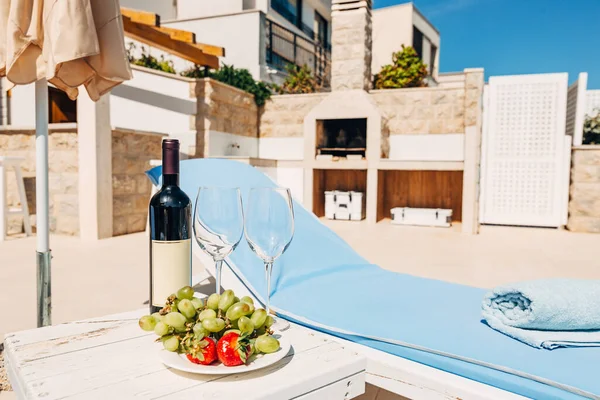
(171, 268)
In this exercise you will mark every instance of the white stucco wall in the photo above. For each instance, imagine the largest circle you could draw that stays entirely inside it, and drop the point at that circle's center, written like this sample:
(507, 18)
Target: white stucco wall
(438, 147)
(392, 27)
(226, 144)
(281, 148)
(205, 8)
(292, 178)
(22, 106)
(239, 34)
(155, 102)
(165, 8)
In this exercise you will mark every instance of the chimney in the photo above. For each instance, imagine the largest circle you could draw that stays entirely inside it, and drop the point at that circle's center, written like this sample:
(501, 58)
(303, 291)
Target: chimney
(351, 40)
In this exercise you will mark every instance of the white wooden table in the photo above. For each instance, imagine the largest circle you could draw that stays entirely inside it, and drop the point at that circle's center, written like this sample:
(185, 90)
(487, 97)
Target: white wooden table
(112, 358)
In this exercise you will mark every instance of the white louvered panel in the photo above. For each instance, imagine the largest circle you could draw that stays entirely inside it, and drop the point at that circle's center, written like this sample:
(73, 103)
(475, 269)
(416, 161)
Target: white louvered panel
(592, 105)
(523, 162)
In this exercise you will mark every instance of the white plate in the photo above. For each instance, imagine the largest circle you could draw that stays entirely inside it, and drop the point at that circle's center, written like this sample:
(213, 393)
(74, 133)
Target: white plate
(181, 363)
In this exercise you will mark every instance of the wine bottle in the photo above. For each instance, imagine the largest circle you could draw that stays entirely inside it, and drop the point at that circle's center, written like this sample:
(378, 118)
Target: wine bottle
(170, 213)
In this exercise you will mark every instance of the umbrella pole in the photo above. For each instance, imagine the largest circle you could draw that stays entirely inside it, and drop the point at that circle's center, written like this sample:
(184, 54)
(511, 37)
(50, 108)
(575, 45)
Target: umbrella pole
(44, 307)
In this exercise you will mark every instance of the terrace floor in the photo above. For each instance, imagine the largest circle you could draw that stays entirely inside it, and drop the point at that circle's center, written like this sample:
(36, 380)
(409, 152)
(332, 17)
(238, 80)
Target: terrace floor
(110, 276)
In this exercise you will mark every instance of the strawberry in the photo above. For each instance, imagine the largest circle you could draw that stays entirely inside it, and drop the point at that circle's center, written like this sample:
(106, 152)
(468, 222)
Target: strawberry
(233, 349)
(205, 353)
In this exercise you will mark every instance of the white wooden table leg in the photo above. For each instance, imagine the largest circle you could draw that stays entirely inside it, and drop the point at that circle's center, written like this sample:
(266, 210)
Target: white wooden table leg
(23, 199)
(3, 203)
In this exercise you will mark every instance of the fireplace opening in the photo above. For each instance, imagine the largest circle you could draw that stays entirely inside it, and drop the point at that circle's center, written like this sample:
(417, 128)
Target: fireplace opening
(342, 138)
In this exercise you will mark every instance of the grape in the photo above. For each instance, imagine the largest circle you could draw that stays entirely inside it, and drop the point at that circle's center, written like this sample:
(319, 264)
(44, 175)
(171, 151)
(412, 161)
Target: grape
(185, 292)
(171, 344)
(157, 316)
(187, 308)
(266, 344)
(226, 300)
(175, 320)
(147, 323)
(174, 306)
(213, 301)
(236, 299)
(199, 331)
(258, 318)
(232, 330)
(213, 325)
(245, 325)
(248, 299)
(161, 328)
(261, 331)
(251, 310)
(269, 321)
(237, 310)
(234, 324)
(207, 314)
(198, 303)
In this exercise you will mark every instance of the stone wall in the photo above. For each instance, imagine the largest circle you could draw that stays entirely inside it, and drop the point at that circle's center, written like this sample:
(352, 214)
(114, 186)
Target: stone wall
(131, 155)
(351, 39)
(584, 204)
(283, 116)
(222, 108)
(421, 110)
(63, 167)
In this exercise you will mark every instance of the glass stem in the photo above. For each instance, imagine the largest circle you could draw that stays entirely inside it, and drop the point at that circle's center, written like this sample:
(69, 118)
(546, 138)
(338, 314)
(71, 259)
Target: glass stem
(268, 269)
(218, 268)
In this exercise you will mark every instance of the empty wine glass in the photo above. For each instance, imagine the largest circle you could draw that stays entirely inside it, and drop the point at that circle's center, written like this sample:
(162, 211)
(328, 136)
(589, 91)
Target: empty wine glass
(218, 224)
(269, 228)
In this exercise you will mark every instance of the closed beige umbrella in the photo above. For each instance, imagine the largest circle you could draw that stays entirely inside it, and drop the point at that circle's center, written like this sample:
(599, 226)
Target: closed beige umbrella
(68, 43)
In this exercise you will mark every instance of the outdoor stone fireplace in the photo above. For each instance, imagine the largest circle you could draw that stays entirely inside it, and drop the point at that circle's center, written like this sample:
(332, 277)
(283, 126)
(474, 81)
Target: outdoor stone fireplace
(342, 138)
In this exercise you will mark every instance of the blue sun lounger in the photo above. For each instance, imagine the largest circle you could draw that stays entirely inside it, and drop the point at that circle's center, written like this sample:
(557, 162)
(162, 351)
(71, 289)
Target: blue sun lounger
(321, 282)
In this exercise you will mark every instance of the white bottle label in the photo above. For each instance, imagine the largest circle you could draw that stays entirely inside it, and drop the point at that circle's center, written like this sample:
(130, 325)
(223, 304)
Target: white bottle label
(171, 268)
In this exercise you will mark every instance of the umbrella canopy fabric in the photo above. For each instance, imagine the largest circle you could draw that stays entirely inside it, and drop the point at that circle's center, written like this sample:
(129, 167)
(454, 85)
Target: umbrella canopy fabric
(68, 42)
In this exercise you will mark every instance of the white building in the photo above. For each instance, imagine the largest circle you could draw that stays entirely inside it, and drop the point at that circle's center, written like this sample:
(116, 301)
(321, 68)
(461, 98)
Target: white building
(404, 25)
(262, 36)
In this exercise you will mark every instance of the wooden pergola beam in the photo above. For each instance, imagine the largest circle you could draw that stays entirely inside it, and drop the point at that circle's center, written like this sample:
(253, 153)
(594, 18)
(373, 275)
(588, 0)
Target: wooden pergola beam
(151, 19)
(141, 17)
(154, 37)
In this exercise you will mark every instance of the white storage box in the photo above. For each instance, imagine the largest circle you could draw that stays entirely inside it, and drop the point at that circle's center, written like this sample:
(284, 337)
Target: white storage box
(422, 216)
(344, 205)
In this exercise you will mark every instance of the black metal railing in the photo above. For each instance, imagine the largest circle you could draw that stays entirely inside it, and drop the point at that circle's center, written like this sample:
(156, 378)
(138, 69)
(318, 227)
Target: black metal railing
(286, 47)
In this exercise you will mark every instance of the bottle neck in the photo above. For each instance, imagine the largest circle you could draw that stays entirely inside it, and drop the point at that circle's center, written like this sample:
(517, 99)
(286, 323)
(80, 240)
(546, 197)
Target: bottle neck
(170, 165)
(170, 180)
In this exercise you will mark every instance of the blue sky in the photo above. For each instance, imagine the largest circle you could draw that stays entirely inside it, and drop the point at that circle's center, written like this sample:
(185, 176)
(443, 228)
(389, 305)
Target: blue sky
(516, 36)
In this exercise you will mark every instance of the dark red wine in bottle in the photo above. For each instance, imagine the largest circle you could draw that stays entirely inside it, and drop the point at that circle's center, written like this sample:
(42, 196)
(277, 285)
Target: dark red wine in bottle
(170, 232)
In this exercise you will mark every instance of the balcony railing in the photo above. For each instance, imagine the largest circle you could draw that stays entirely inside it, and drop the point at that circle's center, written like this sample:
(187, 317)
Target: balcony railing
(286, 47)
(287, 11)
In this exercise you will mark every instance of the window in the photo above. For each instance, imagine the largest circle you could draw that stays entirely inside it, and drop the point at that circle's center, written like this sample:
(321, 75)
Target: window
(289, 9)
(418, 41)
(60, 107)
(321, 29)
(432, 59)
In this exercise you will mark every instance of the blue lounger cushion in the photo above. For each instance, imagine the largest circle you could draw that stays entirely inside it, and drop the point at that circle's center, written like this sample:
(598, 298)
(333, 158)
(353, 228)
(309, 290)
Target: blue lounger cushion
(323, 283)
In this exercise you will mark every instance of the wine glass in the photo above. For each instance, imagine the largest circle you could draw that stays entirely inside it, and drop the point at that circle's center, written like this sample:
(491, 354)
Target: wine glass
(269, 228)
(218, 223)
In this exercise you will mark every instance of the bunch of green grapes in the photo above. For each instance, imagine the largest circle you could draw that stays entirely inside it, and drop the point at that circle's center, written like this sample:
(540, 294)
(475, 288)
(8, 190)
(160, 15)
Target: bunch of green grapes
(185, 321)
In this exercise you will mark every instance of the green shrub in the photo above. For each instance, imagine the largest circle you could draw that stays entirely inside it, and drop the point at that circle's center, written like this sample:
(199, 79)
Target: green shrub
(591, 129)
(149, 61)
(299, 80)
(407, 70)
(236, 77)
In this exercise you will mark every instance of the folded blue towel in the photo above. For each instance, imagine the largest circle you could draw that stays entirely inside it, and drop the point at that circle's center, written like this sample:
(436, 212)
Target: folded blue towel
(549, 313)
